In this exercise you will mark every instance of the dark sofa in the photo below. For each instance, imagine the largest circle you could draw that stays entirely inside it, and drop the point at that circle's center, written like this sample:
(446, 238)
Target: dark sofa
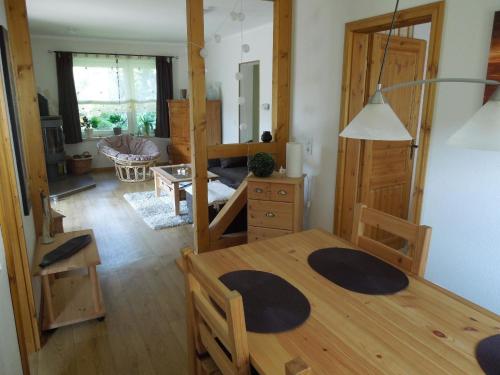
(232, 171)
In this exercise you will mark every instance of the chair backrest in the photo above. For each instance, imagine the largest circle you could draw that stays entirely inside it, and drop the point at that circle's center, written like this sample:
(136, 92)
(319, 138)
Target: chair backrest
(297, 367)
(418, 237)
(217, 318)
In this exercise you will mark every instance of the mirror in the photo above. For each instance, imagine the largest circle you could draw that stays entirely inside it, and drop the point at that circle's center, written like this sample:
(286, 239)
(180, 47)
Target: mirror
(239, 64)
(249, 113)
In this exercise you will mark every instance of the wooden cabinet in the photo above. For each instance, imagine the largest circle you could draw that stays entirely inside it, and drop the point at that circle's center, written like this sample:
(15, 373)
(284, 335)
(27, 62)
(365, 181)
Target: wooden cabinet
(179, 149)
(275, 206)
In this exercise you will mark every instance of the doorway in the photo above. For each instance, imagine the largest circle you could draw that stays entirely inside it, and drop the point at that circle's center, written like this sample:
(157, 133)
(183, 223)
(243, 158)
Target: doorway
(249, 114)
(388, 176)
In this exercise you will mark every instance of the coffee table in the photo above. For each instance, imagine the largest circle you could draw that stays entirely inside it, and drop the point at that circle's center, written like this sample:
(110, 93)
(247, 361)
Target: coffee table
(173, 179)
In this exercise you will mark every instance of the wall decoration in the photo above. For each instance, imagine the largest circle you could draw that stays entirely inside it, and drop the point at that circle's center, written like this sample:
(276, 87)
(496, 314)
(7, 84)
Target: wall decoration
(13, 115)
(494, 59)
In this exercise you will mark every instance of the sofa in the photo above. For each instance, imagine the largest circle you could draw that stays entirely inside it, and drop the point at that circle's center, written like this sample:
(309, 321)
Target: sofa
(232, 171)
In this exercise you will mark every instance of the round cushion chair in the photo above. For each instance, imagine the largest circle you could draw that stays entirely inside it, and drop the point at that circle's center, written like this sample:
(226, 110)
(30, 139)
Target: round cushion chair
(132, 156)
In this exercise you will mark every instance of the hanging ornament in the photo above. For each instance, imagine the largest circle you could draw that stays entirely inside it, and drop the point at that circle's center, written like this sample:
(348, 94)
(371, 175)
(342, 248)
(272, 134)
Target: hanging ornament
(238, 76)
(241, 100)
(241, 16)
(217, 38)
(234, 15)
(245, 48)
(243, 126)
(203, 53)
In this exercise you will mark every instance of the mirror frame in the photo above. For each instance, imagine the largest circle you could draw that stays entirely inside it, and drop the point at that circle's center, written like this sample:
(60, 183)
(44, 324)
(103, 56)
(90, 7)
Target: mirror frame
(200, 151)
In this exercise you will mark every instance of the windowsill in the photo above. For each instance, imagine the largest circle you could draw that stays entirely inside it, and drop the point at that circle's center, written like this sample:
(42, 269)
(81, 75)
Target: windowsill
(102, 136)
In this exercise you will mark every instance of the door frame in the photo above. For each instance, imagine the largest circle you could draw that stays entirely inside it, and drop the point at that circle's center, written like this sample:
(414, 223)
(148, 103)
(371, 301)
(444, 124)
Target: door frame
(349, 150)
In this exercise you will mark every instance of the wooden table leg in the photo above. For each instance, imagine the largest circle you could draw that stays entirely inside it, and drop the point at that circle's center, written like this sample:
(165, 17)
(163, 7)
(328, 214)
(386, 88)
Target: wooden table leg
(48, 298)
(177, 199)
(96, 292)
(157, 185)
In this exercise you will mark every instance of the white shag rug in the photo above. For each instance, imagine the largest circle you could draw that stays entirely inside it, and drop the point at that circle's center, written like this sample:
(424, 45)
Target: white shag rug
(157, 213)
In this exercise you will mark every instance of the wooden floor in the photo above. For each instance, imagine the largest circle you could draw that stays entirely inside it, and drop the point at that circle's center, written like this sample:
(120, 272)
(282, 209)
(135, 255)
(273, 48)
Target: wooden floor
(144, 331)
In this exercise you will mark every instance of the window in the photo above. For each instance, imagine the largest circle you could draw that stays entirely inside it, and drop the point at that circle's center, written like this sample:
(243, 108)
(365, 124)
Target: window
(116, 91)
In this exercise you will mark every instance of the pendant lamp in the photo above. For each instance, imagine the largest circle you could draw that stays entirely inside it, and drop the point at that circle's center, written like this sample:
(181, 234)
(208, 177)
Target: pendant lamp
(377, 121)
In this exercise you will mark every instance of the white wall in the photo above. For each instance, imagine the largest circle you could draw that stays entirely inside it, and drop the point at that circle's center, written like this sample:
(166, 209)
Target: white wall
(10, 360)
(45, 62)
(222, 64)
(461, 198)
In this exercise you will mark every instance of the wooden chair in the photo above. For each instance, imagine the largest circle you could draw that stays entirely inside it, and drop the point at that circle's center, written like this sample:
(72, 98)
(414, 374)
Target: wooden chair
(217, 337)
(418, 237)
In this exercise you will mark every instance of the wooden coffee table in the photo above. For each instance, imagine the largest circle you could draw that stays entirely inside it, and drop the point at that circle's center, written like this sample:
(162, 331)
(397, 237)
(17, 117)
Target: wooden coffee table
(173, 179)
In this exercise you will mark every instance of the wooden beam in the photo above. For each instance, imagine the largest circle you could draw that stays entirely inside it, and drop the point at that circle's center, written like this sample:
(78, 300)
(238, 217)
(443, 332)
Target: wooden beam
(13, 237)
(22, 64)
(33, 148)
(229, 240)
(236, 149)
(282, 62)
(229, 212)
(198, 123)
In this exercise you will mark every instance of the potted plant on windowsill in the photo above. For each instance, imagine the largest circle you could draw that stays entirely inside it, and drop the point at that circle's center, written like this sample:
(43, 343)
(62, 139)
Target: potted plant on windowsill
(89, 126)
(117, 121)
(147, 121)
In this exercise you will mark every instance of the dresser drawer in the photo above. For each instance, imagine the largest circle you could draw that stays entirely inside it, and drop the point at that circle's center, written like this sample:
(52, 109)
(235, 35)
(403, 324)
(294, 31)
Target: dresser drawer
(282, 193)
(276, 215)
(259, 190)
(258, 233)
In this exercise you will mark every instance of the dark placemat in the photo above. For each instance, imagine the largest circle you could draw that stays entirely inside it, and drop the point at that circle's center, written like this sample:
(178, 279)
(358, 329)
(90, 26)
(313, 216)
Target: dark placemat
(357, 271)
(488, 355)
(66, 250)
(271, 304)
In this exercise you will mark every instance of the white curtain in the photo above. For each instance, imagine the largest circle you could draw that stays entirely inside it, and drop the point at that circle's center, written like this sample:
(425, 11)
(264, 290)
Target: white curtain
(115, 84)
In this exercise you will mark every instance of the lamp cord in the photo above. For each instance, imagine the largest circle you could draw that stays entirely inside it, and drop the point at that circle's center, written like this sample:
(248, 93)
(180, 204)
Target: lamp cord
(387, 43)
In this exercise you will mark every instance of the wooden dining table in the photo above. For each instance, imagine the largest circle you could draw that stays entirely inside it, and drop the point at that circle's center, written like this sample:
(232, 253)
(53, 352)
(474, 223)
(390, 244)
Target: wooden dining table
(423, 329)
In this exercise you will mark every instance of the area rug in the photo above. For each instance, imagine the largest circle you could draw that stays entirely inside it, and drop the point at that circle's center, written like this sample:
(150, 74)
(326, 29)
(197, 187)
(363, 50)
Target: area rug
(157, 213)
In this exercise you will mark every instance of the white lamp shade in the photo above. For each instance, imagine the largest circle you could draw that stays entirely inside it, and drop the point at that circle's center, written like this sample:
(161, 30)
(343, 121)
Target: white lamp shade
(482, 131)
(377, 122)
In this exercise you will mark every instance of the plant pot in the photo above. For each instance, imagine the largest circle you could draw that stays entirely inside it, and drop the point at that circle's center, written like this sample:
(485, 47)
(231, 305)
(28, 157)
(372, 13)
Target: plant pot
(89, 133)
(117, 131)
(266, 137)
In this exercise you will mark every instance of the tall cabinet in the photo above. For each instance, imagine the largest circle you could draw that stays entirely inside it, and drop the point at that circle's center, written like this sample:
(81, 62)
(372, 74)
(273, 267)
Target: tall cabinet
(180, 148)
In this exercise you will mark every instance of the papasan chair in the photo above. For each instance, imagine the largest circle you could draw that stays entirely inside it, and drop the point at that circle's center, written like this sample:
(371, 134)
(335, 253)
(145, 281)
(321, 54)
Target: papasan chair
(132, 156)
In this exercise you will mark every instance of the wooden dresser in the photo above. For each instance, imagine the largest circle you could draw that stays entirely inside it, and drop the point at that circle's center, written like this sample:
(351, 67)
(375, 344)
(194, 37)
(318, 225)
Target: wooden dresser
(179, 150)
(275, 206)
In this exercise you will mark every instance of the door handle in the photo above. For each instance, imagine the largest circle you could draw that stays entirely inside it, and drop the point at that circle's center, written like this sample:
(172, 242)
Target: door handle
(413, 148)
(282, 192)
(270, 214)
(259, 190)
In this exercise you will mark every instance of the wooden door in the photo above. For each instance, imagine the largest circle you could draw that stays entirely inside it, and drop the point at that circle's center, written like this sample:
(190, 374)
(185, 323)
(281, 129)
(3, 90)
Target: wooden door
(387, 166)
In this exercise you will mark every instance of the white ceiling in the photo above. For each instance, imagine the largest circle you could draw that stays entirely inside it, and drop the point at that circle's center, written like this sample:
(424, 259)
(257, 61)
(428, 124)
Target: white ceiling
(141, 20)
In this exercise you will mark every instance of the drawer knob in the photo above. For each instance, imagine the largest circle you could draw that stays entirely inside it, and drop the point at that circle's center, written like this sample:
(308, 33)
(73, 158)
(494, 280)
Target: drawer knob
(270, 214)
(282, 192)
(259, 190)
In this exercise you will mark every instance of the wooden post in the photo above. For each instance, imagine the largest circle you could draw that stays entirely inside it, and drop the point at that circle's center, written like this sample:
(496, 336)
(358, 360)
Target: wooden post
(198, 122)
(29, 115)
(282, 59)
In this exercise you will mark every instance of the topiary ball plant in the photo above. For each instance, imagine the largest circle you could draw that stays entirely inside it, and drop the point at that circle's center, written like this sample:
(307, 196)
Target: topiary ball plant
(262, 164)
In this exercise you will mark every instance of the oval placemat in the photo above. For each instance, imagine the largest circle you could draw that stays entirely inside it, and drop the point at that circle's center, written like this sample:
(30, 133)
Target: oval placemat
(488, 355)
(358, 271)
(271, 304)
